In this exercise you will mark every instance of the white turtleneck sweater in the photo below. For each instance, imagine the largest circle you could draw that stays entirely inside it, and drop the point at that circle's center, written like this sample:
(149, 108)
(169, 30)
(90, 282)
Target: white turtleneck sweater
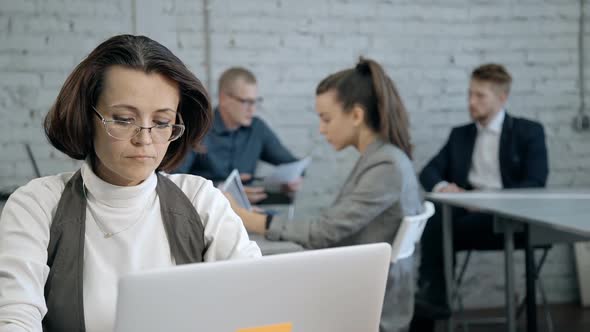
(24, 237)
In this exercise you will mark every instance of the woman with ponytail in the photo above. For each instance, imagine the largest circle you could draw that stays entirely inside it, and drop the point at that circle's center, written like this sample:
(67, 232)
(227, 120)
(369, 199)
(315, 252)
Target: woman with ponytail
(361, 107)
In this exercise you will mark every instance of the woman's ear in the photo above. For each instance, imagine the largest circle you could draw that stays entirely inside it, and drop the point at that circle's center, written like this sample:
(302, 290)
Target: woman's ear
(358, 115)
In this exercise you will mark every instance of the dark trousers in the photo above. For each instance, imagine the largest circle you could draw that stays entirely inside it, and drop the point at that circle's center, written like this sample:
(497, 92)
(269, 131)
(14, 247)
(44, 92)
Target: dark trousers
(471, 231)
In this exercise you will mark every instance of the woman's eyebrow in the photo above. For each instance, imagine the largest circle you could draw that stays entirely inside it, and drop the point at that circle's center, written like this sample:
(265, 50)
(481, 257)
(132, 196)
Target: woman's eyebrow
(129, 107)
(166, 110)
(135, 109)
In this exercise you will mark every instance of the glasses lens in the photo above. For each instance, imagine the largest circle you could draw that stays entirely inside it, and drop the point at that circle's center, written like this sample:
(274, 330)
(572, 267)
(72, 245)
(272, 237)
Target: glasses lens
(167, 133)
(160, 134)
(177, 131)
(248, 102)
(121, 130)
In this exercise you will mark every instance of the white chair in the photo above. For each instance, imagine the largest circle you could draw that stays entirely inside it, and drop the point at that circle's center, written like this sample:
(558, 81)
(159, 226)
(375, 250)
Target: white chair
(409, 233)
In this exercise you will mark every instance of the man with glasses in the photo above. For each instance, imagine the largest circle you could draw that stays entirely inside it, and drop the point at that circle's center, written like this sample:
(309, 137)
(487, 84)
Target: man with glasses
(237, 138)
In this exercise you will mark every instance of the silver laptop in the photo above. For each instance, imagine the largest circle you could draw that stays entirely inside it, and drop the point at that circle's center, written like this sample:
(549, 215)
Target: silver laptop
(327, 290)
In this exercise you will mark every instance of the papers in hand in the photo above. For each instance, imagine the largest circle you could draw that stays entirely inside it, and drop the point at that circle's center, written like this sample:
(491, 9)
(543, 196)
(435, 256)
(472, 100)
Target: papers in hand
(286, 173)
(233, 185)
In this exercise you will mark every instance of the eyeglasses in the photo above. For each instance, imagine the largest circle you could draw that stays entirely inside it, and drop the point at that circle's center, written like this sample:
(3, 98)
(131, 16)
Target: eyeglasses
(247, 102)
(126, 130)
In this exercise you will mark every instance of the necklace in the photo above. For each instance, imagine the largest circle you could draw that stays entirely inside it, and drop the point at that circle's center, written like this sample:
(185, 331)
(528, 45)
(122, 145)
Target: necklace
(108, 235)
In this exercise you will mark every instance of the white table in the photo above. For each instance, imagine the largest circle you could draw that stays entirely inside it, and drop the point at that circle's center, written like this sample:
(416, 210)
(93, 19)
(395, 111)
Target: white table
(550, 215)
(274, 247)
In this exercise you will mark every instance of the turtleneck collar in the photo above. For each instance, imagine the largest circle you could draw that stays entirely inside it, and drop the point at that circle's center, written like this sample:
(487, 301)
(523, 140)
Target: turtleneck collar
(117, 196)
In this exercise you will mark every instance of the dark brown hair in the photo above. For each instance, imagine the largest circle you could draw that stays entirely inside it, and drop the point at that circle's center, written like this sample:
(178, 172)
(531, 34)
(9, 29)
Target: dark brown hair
(494, 73)
(69, 126)
(368, 86)
(231, 75)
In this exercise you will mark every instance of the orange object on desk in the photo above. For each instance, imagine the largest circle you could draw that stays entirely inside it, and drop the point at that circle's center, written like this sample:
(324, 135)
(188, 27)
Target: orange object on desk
(285, 327)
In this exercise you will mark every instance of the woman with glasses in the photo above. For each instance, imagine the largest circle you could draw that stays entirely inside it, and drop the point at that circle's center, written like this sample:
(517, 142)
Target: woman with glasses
(361, 108)
(129, 111)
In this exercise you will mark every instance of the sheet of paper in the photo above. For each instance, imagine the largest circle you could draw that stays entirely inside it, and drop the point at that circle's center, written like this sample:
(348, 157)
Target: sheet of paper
(286, 172)
(285, 327)
(233, 185)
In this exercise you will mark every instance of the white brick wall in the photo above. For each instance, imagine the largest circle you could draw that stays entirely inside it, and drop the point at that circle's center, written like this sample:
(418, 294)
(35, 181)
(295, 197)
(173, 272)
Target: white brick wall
(428, 48)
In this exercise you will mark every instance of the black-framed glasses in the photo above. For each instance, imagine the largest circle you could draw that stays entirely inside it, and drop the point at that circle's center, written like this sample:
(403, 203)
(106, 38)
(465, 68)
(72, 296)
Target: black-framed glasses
(247, 102)
(126, 130)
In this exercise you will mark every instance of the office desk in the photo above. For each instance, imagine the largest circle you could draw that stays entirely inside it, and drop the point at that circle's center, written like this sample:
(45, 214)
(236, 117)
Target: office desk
(274, 247)
(545, 215)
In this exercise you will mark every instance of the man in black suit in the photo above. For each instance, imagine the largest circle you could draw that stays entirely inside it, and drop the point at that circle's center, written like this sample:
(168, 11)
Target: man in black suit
(493, 152)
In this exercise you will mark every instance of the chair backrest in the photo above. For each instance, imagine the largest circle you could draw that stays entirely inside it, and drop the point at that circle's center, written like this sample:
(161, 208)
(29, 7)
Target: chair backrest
(410, 232)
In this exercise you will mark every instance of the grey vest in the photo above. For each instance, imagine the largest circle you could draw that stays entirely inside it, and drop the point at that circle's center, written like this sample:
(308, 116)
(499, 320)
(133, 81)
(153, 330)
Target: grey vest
(65, 253)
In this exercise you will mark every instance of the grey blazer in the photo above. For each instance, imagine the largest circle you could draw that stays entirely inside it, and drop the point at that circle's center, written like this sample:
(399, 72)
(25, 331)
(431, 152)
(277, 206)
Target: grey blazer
(381, 189)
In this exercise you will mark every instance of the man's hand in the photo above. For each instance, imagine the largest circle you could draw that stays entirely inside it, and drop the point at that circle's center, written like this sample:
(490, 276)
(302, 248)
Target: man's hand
(255, 194)
(293, 186)
(451, 188)
(245, 177)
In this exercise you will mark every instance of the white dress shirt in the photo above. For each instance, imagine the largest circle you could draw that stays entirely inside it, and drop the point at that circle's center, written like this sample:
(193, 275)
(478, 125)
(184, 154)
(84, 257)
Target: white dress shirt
(484, 173)
(485, 163)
